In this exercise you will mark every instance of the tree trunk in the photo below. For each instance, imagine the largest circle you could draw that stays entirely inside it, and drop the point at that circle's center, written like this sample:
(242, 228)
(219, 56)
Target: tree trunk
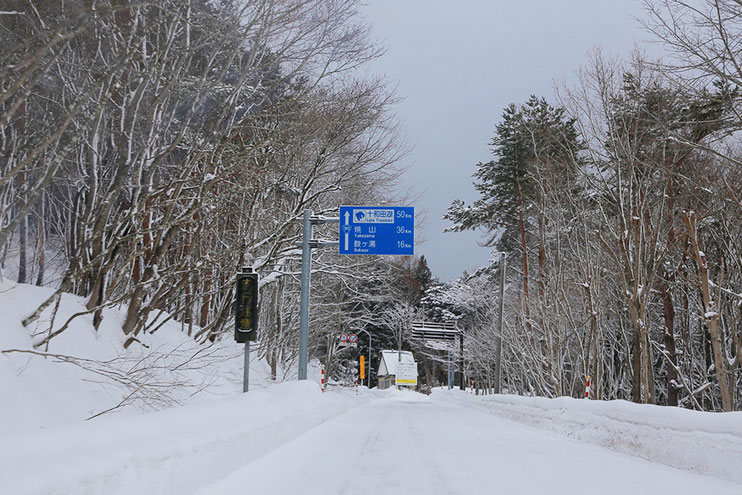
(42, 242)
(669, 336)
(205, 303)
(711, 314)
(522, 224)
(22, 235)
(273, 358)
(667, 302)
(593, 339)
(132, 313)
(636, 382)
(188, 313)
(22, 228)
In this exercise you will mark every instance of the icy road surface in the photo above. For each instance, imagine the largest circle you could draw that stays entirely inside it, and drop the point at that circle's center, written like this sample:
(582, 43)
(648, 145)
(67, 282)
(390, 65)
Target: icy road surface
(412, 445)
(291, 439)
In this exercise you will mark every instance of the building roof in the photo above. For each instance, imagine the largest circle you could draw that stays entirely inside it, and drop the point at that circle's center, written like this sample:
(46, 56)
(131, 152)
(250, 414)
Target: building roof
(389, 360)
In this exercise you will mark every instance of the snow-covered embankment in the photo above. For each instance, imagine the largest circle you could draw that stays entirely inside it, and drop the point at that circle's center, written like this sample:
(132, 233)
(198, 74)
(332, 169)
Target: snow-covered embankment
(707, 443)
(48, 391)
(171, 451)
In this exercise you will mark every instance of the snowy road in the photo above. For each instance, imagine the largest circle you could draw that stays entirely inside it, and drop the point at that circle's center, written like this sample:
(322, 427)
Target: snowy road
(420, 446)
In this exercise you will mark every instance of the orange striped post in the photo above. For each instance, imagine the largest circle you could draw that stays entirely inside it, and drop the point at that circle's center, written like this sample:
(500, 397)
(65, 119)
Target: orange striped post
(323, 379)
(587, 388)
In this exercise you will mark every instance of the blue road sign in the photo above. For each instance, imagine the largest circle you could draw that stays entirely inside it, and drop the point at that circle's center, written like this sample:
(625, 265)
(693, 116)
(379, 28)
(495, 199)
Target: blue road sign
(377, 230)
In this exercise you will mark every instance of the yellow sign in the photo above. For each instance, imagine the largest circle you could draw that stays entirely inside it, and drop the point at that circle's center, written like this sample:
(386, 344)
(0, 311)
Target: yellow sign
(363, 367)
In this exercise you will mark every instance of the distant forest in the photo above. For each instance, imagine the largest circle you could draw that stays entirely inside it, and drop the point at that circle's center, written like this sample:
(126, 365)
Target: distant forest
(619, 206)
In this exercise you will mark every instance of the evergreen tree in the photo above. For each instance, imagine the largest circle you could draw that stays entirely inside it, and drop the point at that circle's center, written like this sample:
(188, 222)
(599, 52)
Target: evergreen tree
(535, 134)
(533, 141)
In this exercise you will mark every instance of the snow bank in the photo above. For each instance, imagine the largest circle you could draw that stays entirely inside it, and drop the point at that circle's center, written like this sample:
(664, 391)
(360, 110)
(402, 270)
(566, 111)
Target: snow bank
(172, 451)
(84, 372)
(403, 395)
(47, 393)
(707, 443)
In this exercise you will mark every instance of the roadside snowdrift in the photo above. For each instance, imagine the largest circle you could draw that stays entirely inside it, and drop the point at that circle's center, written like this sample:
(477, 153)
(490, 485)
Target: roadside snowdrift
(172, 451)
(47, 393)
(83, 372)
(707, 443)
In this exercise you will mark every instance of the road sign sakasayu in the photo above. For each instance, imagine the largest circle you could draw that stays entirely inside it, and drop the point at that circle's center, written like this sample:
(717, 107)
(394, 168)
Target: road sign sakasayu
(386, 230)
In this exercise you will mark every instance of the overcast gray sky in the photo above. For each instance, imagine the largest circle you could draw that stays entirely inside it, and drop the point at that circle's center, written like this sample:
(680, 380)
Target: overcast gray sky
(458, 63)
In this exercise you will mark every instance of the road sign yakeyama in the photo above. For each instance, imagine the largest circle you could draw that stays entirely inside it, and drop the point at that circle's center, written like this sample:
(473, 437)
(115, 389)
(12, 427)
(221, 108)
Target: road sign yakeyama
(386, 230)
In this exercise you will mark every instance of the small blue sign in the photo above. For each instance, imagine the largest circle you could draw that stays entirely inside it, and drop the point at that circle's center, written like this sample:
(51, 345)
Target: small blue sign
(377, 230)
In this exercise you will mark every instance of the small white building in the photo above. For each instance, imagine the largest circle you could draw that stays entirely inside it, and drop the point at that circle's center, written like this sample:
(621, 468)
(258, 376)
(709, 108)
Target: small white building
(392, 364)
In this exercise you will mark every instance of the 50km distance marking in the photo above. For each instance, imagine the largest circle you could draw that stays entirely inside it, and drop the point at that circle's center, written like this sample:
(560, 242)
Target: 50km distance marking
(386, 230)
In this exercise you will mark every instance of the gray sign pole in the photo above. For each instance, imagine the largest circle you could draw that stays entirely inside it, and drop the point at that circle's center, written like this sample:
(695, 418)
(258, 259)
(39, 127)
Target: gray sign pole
(306, 274)
(246, 375)
(307, 244)
(498, 337)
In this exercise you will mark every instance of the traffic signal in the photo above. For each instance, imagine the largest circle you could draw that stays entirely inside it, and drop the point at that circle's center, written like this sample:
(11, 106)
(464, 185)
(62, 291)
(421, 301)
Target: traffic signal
(246, 304)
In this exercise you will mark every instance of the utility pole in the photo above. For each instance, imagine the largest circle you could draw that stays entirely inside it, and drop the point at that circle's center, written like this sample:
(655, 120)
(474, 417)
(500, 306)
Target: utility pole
(498, 337)
(462, 378)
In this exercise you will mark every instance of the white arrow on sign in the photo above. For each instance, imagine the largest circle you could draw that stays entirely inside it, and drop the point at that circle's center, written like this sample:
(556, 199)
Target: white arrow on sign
(347, 228)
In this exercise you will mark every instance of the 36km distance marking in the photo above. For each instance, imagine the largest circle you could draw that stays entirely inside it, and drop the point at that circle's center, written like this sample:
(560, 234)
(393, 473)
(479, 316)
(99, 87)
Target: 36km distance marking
(385, 230)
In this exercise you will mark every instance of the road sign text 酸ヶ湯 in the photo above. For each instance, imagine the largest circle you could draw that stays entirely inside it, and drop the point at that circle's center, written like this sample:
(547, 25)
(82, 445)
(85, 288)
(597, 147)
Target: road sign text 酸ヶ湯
(388, 230)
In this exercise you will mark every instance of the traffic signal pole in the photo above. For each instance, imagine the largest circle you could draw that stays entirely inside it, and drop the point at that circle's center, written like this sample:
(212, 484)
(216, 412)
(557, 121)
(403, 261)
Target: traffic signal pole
(247, 293)
(246, 375)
